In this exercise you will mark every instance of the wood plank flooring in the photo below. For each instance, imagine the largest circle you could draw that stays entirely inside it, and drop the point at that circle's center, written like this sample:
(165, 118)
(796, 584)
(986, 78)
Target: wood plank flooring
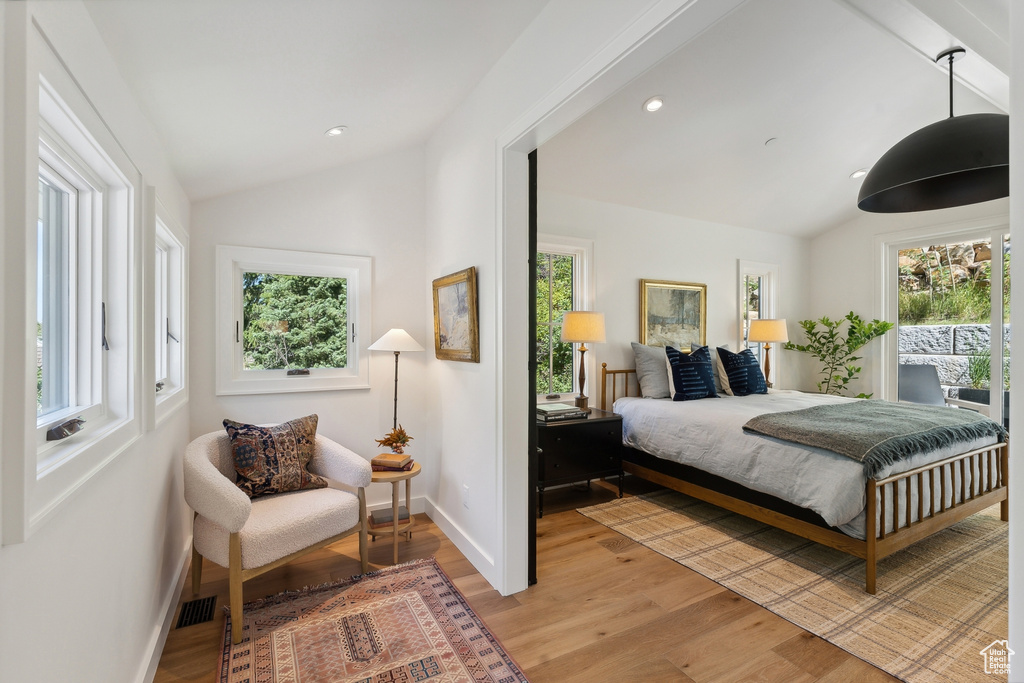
(604, 609)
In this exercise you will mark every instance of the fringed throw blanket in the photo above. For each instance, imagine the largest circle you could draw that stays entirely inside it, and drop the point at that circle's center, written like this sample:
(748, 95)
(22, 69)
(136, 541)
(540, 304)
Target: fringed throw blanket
(874, 432)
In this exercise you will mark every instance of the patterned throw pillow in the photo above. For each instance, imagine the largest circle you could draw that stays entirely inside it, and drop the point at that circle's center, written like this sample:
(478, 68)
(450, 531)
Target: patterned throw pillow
(274, 459)
(692, 376)
(743, 371)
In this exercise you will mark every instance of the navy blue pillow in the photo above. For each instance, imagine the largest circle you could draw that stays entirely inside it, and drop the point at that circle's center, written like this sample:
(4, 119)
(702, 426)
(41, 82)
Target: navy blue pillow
(692, 375)
(743, 371)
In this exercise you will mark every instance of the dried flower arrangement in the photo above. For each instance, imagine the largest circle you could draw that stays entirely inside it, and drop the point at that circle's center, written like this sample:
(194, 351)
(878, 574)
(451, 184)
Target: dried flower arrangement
(396, 440)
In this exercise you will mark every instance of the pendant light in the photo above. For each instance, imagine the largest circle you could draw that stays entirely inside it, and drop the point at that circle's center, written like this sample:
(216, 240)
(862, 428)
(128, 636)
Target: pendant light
(957, 161)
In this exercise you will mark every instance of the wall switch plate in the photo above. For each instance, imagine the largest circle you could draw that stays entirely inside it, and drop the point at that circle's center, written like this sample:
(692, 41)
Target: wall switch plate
(465, 496)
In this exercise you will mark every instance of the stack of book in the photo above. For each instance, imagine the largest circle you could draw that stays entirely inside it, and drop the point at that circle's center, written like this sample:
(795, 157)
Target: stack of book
(552, 412)
(380, 519)
(392, 462)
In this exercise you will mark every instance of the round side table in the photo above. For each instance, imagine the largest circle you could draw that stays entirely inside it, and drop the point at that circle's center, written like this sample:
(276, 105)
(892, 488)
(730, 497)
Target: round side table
(397, 529)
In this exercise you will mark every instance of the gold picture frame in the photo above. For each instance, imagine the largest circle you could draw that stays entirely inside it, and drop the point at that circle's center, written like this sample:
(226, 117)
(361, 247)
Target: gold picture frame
(673, 313)
(456, 325)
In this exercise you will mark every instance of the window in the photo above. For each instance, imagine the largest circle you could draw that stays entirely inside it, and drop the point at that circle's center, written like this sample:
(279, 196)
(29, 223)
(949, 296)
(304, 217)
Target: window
(562, 285)
(169, 268)
(757, 300)
(290, 321)
(70, 305)
(53, 293)
(83, 284)
(951, 302)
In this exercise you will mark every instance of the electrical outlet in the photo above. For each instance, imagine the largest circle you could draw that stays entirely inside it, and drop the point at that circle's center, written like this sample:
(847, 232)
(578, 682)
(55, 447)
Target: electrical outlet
(465, 496)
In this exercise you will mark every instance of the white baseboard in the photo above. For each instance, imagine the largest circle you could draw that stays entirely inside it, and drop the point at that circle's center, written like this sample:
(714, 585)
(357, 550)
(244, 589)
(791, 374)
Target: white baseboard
(479, 558)
(147, 670)
(419, 504)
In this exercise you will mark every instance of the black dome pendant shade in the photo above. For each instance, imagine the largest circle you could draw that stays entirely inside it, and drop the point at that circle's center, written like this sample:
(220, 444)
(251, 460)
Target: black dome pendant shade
(957, 161)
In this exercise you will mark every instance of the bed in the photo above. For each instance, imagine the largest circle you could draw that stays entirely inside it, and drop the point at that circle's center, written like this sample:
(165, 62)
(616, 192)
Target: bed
(700, 449)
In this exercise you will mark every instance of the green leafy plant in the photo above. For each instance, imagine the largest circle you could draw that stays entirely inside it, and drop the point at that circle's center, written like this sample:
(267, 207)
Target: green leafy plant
(979, 369)
(836, 352)
(396, 440)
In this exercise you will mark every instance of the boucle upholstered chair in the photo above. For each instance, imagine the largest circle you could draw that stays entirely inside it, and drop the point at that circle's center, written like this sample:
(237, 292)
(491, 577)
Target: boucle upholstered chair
(253, 536)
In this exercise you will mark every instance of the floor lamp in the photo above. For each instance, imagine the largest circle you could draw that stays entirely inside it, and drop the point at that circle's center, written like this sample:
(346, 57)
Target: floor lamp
(580, 327)
(766, 332)
(396, 340)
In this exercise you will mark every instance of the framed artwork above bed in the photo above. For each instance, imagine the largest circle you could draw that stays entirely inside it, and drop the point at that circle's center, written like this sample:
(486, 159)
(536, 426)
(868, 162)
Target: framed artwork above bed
(673, 313)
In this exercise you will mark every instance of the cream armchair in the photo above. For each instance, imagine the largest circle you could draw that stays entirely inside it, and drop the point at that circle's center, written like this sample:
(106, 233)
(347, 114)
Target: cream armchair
(253, 536)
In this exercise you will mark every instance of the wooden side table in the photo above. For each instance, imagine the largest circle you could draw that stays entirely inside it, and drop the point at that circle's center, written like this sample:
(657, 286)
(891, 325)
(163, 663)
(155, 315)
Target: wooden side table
(397, 529)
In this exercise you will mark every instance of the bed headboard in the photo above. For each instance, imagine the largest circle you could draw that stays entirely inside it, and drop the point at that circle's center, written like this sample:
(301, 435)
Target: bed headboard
(616, 377)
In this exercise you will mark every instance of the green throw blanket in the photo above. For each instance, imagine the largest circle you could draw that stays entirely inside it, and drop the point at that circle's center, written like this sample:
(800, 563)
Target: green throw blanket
(877, 433)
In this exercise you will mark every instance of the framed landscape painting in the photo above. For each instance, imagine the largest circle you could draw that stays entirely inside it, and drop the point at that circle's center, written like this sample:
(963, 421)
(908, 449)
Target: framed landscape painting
(456, 328)
(673, 314)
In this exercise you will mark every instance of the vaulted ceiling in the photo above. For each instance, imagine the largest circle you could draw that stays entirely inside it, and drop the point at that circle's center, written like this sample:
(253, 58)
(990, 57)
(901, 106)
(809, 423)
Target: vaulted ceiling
(766, 115)
(242, 91)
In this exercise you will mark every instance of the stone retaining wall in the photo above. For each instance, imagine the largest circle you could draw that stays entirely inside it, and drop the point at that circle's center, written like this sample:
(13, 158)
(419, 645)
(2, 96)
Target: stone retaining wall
(947, 347)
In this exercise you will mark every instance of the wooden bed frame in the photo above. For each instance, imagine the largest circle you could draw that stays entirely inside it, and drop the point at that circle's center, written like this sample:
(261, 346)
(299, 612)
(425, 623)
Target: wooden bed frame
(989, 479)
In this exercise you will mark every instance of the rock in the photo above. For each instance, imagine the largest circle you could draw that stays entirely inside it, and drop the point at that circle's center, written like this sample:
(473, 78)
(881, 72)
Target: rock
(982, 251)
(929, 339)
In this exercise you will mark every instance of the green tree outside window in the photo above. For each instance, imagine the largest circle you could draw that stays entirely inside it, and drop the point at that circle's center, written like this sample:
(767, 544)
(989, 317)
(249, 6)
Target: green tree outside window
(294, 321)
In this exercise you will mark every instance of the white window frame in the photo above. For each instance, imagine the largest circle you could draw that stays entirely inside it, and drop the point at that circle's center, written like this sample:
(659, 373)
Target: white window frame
(170, 313)
(74, 140)
(887, 247)
(582, 251)
(232, 262)
(59, 164)
(769, 298)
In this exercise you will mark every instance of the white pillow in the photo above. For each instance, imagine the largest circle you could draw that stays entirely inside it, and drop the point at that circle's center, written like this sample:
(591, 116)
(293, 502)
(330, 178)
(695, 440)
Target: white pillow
(648, 361)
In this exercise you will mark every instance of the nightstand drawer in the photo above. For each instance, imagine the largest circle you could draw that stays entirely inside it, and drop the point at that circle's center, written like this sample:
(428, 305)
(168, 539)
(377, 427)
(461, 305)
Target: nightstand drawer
(579, 450)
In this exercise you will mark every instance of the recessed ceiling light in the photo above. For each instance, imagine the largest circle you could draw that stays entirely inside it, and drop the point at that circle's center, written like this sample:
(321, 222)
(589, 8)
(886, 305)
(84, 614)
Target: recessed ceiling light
(654, 104)
(336, 131)
(859, 173)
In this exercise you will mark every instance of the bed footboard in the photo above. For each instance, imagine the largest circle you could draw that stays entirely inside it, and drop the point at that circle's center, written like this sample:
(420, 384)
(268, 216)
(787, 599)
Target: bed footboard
(906, 507)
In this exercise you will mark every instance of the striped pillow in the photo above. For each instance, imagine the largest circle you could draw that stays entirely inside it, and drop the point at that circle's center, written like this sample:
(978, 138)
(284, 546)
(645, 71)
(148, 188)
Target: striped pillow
(692, 375)
(743, 371)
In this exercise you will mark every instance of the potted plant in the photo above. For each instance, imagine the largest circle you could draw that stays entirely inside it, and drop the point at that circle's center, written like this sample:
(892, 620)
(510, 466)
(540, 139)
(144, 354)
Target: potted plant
(979, 374)
(396, 440)
(836, 352)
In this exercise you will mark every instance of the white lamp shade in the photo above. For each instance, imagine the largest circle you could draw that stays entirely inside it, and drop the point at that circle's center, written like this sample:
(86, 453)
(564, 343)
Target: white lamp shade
(582, 327)
(768, 331)
(395, 339)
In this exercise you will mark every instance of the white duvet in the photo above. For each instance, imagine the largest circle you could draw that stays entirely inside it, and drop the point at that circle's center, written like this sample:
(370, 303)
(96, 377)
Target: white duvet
(708, 434)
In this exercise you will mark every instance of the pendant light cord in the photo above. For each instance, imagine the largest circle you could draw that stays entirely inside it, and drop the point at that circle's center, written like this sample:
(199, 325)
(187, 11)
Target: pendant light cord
(951, 55)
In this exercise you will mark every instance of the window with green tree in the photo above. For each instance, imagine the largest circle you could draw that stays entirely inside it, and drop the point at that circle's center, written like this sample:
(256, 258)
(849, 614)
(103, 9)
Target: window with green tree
(293, 321)
(554, 297)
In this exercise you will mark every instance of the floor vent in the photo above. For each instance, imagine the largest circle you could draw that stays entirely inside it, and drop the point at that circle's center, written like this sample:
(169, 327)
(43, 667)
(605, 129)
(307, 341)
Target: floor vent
(197, 611)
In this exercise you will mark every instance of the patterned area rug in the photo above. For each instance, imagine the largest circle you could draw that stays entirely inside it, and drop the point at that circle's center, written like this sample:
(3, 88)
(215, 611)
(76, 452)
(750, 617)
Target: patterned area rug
(403, 623)
(939, 602)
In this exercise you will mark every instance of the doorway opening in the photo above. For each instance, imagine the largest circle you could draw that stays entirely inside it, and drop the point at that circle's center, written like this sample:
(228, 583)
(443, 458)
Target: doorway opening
(953, 306)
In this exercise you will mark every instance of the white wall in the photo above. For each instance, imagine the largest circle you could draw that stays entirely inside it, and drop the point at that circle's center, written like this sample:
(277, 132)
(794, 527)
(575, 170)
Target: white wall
(632, 244)
(85, 596)
(573, 55)
(844, 264)
(371, 208)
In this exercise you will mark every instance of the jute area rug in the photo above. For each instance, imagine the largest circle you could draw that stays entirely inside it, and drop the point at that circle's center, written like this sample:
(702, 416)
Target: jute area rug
(403, 623)
(939, 602)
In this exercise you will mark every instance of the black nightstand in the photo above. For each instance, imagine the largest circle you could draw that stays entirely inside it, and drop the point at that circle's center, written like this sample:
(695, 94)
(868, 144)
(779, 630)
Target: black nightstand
(578, 450)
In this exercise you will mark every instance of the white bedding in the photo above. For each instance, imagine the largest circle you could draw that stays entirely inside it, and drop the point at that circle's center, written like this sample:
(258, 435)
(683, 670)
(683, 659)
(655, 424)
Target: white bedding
(708, 434)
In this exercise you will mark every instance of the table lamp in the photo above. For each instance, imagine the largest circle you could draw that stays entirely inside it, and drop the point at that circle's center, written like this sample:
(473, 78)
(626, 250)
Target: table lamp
(396, 340)
(766, 332)
(580, 327)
